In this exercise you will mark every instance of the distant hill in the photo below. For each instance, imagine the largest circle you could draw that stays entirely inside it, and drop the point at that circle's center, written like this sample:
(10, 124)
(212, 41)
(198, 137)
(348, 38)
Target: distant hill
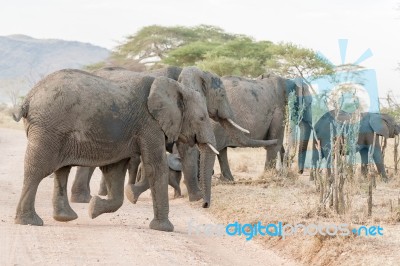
(25, 60)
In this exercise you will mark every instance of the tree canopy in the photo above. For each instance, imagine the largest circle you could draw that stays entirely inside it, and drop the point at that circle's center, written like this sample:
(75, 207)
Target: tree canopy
(213, 49)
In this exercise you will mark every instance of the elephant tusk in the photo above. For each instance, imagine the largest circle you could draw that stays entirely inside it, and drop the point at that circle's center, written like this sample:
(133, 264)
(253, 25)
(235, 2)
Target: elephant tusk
(237, 126)
(213, 148)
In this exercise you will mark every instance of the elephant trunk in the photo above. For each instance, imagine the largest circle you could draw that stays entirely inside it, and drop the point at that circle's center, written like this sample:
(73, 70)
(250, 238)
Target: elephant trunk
(242, 139)
(305, 132)
(207, 159)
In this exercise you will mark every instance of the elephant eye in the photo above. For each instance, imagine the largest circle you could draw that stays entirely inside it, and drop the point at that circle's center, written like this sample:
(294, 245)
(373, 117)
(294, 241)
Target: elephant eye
(202, 118)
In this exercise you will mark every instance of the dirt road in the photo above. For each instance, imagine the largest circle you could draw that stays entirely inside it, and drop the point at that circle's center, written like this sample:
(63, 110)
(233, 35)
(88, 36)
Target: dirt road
(121, 238)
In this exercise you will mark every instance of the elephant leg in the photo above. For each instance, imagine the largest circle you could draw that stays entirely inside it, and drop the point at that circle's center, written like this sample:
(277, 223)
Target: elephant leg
(62, 211)
(154, 162)
(275, 131)
(174, 181)
(34, 172)
(132, 170)
(224, 164)
(114, 176)
(364, 162)
(270, 160)
(378, 159)
(103, 186)
(142, 184)
(80, 191)
(190, 169)
(131, 191)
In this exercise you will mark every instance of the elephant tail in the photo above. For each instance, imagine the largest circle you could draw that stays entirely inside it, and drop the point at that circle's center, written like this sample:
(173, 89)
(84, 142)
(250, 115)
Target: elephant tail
(20, 111)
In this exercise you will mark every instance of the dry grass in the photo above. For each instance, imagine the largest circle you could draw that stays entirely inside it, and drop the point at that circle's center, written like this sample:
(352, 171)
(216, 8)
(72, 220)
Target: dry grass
(267, 197)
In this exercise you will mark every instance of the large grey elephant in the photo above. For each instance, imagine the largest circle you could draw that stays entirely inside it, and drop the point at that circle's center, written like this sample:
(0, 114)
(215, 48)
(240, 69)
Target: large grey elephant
(80, 191)
(213, 91)
(72, 118)
(369, 123)
(219, 109)
(261, 106)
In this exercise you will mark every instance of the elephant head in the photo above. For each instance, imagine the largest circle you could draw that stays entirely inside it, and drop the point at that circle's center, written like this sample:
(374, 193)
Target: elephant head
(384, 125)
(174, 162)
(181, 113)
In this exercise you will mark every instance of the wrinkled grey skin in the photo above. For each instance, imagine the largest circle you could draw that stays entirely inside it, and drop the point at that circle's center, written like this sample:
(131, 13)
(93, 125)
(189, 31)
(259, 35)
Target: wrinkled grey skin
(260, 105)
(212, 89)
(382, 124)
(75, 118)
(80, 191)
(219, 109)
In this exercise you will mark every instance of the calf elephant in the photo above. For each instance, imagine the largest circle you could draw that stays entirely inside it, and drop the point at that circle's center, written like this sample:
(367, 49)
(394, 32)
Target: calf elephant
(72, 118)
(369, 123)
(174, 177)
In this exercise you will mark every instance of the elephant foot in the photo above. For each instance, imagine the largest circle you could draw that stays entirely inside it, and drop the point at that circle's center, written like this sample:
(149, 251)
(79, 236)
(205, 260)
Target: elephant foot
(28, 218)
(198, 195)
(177, 194)
(96, 206)
(99, 206)
(80, 197)
(225, 177)
(64, 215)
(162, 225)
(131, 193)
(385, 179)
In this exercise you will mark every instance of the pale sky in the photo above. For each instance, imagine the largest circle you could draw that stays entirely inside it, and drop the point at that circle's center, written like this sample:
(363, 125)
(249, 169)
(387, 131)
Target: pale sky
(316, 24)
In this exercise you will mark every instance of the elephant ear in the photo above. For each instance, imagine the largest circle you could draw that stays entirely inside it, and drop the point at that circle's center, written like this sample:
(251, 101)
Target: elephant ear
(165, 104)
(174, 162)
(379, 125)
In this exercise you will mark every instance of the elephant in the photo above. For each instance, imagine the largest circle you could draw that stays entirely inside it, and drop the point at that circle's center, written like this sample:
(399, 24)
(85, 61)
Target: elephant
(219, 109)
(369, 123)
(80, 191)
(174, 176)
(74, 118)
(213, 91)
(259, 105)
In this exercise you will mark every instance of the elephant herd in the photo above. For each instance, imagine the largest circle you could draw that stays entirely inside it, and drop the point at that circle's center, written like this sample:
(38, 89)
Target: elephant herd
(120, 120)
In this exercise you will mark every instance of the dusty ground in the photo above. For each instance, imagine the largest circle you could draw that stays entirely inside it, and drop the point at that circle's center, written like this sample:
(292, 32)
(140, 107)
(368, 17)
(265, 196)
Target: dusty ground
(258, 196)
(121, 238)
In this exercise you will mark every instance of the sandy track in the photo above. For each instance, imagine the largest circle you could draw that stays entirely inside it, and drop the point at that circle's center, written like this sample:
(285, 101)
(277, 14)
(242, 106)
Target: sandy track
(122, 238)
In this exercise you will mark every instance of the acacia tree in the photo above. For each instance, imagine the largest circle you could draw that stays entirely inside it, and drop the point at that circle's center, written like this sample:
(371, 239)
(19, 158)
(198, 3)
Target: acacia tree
(157, 41)
(291, 61)
(213, 49)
